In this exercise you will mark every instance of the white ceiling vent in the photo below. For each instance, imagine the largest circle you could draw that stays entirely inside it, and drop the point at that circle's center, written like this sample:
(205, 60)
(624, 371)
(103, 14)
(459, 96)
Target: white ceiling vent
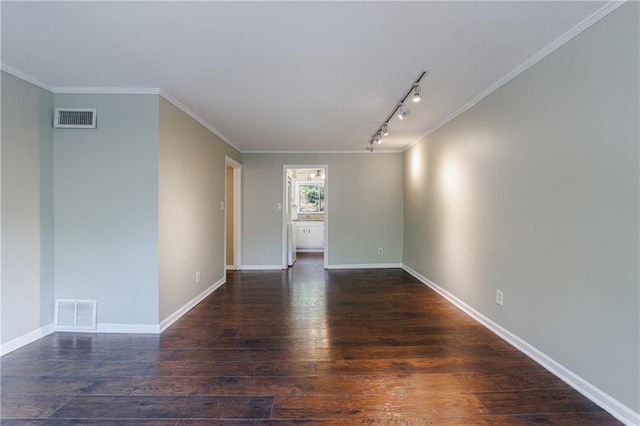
(75, 315)
(74, 118)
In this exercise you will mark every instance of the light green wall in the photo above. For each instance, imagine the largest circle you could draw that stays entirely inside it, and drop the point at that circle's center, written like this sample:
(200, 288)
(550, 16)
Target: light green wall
(191, 222)
(106, 207)
(27, 208)
(137, 207)
(535, 191)
(364, 204)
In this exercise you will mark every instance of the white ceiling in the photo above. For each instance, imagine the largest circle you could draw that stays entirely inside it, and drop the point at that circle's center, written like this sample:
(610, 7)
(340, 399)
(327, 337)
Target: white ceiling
(305, 76)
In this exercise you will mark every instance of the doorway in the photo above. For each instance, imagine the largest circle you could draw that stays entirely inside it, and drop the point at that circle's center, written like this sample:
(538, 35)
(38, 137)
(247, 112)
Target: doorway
(232, 223)
(305, 216)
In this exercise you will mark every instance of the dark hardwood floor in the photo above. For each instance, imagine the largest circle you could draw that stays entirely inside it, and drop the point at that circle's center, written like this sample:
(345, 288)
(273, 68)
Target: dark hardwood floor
(300, 346)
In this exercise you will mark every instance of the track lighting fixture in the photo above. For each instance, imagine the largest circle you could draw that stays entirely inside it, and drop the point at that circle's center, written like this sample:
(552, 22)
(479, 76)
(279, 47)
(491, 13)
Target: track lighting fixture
(416, 92)
(400, 109)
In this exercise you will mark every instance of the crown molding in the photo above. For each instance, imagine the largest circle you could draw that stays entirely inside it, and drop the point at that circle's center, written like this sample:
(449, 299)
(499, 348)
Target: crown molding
(364, 151)
(550, 48)
(26, 77)
(546, 51)
(196, 117)
(106, 90)
(117, 91)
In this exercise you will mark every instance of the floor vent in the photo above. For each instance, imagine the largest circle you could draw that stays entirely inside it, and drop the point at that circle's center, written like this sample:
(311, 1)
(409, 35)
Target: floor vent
(75, 315)
(74, 118)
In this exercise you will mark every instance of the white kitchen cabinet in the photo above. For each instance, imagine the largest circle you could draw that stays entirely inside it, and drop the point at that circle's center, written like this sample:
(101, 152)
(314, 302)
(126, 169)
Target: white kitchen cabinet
(309, 235)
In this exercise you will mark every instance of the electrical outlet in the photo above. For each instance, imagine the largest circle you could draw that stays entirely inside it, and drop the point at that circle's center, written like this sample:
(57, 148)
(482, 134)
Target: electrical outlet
(380, 250)
(499, 297)
(198, 276)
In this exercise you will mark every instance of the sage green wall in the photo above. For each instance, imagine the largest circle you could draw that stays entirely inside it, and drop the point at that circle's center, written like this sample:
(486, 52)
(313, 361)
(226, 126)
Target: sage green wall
(106, 207)
(191, 222)
(534, 191)
(27, 208)
(364, 203)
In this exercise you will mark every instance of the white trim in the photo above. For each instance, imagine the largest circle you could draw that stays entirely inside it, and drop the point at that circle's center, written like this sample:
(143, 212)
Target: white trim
(284, 226)
(118, 91)
(122, 328)
(237, 215)
(364, 151)
(26, 339)
(166, 323)
(231, 162)
(237, 212)
(230, 268)
(106, 90)
(260, 267)
(310, 249)
(365, 266)
(543, 53)
(327, 207)
(608, 403)
(196, 117)
(26, 77)
(179, 105)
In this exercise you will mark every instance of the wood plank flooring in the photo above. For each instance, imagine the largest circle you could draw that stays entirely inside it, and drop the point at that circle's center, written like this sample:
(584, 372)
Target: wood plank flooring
(294, 347)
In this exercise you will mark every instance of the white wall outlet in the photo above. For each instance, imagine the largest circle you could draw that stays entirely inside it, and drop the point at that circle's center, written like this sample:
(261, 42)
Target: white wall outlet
(499, 297)
(380, 250)
(279, 206)
(198, 276)
(221, 205)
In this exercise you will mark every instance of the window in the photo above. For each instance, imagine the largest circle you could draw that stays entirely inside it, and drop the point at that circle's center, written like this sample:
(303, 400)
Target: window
(310, 197)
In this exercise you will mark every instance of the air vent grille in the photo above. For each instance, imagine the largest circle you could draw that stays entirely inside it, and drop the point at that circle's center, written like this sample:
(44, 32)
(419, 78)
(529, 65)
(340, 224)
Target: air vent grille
(75, 118)
(75, 315)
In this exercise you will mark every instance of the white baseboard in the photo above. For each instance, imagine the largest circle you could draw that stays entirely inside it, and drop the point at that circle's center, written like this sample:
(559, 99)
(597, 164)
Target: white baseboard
(260, 267)
(166, 323)
(310, 250)
(365, 266)
(25, 339)
(604, 400)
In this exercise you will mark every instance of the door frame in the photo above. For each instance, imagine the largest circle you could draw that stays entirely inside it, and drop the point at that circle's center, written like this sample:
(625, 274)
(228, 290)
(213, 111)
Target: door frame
(284, 209)
(237, 213)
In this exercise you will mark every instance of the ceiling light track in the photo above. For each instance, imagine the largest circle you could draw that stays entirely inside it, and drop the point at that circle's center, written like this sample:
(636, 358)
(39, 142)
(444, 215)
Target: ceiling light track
(400, 109)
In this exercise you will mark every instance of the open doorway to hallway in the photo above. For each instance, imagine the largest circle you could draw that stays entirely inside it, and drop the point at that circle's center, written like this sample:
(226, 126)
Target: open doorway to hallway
(232, 214)
(305, 212)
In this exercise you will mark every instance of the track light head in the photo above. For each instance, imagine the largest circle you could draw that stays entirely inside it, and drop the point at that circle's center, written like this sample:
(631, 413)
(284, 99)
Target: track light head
(385, 129)
(416, 93)
(403, 112)
(377, 138)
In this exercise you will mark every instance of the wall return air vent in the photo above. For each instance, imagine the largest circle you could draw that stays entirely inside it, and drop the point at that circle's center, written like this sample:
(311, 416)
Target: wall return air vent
(74, 118)
(75, 315)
